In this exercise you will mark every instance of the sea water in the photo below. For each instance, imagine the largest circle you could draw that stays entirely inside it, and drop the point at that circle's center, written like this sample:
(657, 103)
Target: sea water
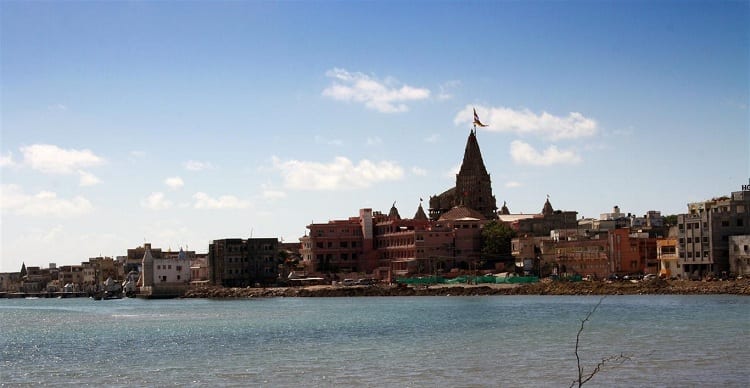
(494, 341)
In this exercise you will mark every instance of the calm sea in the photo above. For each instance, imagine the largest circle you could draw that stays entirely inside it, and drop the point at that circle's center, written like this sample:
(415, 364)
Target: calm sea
(495, 341)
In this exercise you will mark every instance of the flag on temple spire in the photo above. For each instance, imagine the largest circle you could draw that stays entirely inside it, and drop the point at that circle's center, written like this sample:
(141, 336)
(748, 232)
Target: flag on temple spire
(476, 119)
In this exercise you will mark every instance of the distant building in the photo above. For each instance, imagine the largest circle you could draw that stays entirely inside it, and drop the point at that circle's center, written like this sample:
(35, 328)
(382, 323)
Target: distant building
(10, 281)
(199, 268)
(134, 258)
(739, 255)
(579, 257)
(541, 224)
(631, 253)
(666, 253)
(71, 275)
(388, 246)
(243, 262)
(163, 276)
(705, 230)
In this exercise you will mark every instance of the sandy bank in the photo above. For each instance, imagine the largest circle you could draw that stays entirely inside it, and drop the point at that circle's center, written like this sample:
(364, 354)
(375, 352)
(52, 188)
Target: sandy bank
(655, 287)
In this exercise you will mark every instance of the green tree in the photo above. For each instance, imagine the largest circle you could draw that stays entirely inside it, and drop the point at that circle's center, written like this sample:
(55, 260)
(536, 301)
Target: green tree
(496, 238)
(670, 220)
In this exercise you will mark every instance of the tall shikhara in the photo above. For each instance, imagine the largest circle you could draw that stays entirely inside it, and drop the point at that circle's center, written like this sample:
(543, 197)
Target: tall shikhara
(473, 186)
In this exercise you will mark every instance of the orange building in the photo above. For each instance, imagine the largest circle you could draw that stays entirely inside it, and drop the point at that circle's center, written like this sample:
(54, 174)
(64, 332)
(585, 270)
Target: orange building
(631, 253)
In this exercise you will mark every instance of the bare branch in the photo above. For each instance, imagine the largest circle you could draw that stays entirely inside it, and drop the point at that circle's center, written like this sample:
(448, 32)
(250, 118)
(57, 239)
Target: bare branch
(618, 359)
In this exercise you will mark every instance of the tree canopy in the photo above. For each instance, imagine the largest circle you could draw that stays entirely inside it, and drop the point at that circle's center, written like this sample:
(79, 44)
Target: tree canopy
(497, 238)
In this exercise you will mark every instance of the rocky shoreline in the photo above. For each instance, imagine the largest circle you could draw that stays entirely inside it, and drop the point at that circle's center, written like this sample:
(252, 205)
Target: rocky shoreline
(654, 287)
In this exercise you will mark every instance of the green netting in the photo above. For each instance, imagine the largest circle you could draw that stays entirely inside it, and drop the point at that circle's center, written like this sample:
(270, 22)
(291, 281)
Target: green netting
(519, 279)
(422, 280)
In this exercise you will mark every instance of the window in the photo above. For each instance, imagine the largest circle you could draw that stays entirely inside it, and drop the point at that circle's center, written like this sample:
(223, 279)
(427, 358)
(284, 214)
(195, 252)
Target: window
(725, 223)
(689, 240)
(739, 222)
(705, 254)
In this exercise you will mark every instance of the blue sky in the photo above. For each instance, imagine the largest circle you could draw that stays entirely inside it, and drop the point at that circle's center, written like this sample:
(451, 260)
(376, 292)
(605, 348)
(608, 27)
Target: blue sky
(178, 123)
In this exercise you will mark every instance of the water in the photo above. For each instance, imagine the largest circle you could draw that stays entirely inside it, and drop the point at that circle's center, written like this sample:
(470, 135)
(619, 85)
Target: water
(497, 341)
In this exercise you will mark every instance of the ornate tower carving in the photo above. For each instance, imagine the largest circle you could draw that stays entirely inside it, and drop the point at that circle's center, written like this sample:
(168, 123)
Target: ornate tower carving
(473, 186)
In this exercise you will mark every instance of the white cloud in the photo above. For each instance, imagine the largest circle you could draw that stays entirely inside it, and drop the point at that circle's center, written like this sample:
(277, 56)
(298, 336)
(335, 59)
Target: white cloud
(273, 194)
(194, 165)
(44, 203)
(513, 184)
(523, 153)
(174, 182)
(373, 141)
(204, 201)
(87, 178)
(434, 138)
(156, 201)
(418, 171)
(525, 122)
(7, 160)
(341, 173)
(385, 96)
(51, 159)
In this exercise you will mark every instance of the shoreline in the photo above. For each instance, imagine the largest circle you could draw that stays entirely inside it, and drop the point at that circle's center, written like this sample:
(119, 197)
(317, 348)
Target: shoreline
(654, 287)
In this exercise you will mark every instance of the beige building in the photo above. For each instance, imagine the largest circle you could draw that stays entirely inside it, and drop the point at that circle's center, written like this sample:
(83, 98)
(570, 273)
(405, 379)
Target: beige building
(739, 255)
(666, 254)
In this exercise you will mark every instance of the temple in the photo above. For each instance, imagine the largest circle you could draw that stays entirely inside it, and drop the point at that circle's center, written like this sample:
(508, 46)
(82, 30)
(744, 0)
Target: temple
(473, 187)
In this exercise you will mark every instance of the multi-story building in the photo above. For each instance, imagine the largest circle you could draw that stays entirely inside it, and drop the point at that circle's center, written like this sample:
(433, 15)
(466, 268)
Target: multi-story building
(704, 233)
(579, 257)
(739, 255)
(631, 253)
(666, 253)
(541, 224)
(10, 281)
(164, 276)
(243, 262)
(98, 269)
(388, 246)
(199, 268)
(135, 257)
(71, 275)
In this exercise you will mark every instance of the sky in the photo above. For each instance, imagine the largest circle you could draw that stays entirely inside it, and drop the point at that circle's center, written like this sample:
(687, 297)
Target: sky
(178, 123)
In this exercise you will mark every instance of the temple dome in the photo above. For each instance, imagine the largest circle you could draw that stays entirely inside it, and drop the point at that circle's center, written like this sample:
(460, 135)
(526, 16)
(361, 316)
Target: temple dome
(461, 213)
